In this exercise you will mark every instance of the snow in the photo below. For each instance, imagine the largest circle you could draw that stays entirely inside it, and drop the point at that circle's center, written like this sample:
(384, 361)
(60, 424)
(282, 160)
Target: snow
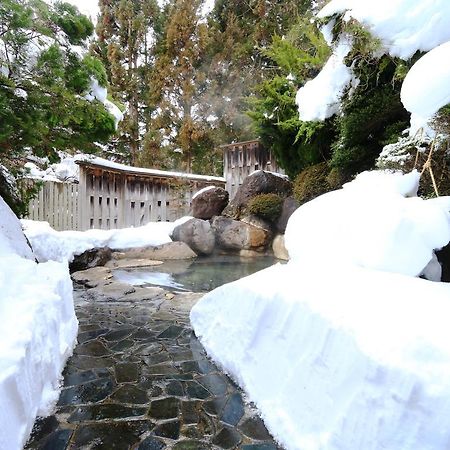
(201, 191)
(402, 26)
(97, 92)
(277, 174)
(343, 347)
(320, 98)
(421, 96)
(39, 329)
(62, 246)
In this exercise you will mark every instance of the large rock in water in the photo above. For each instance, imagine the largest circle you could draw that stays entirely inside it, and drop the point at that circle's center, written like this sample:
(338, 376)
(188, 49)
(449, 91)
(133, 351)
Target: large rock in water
(90, 258)
(234, 235)
(169, 251)
(259, 182)
(209, 202)
(197, 234)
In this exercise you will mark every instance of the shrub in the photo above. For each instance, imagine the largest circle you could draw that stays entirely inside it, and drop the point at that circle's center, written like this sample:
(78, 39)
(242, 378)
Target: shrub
(266, 206)
(312, 182)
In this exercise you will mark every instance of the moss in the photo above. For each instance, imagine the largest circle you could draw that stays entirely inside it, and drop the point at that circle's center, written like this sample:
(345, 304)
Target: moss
(313, 182)
(266, 206)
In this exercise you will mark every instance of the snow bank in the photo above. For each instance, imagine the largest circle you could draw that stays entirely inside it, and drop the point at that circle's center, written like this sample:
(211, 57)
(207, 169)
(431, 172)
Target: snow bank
(336, 350)
(38, 328)
(402, 26)
(320, 98)
(360, 361)
(426, 88)
(49, 244)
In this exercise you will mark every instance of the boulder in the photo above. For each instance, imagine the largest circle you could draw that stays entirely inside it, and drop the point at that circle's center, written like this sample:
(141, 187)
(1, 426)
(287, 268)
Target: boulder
(90, 258)
(279, 249)
(259, 182)
(234, 235)
(197, 234)
(290, 204)
(209, 202)
(171, 250)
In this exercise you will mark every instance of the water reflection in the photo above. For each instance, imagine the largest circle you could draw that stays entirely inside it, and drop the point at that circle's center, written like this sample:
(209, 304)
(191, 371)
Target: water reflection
(199, 275)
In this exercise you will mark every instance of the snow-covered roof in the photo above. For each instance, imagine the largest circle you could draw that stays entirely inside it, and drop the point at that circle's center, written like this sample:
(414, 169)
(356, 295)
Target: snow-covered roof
(113, 166)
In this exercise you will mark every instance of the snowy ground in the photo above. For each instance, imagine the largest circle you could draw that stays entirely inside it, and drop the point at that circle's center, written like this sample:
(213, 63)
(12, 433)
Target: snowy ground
(343, 347)
(38, 328)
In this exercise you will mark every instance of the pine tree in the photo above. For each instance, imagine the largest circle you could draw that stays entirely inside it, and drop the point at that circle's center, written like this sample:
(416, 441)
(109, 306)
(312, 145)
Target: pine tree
(126, 35)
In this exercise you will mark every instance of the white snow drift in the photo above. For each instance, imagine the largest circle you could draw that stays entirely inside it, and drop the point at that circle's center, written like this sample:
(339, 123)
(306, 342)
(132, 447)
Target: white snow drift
(338, 355)
(38, 328)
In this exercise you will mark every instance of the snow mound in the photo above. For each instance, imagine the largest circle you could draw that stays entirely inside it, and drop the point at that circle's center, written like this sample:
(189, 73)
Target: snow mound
(355, 359)
(422, 96)
(372, 222)
(402, 26)
(38, 328)
(12, 239)
(51, 245)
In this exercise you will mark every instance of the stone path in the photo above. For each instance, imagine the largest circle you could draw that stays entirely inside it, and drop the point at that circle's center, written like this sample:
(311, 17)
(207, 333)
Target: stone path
(139, 379)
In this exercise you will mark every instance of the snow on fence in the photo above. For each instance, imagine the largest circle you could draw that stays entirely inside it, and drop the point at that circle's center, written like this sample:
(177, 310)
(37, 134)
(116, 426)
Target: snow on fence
(111, 195)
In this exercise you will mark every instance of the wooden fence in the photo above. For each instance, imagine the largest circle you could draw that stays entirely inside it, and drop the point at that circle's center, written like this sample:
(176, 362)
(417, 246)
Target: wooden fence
(116, 196)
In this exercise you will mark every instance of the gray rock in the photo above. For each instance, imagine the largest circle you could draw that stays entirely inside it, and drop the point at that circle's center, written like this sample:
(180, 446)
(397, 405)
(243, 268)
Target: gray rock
(289, 206)
(197, 234)
(279, 248)
(209, 203)
(234, 235)
(90, 258)
(259, 182)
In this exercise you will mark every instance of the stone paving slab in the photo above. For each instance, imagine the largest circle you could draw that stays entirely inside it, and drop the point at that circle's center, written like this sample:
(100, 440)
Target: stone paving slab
(139, 379)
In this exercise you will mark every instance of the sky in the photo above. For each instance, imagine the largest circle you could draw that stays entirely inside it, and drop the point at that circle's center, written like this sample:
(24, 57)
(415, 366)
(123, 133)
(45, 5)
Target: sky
(90, 8)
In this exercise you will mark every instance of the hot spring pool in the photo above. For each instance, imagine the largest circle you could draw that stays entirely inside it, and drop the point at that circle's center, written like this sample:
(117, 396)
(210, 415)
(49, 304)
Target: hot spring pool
(198, 275)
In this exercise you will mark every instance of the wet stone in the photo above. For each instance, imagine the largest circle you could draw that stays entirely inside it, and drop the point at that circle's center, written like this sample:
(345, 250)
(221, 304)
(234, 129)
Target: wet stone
(148, 349)
(92, 348)
(190, 412)
(259, 447)
(181, 355)
(195, 390)
(57, 440)
(130, 394)
(89, 335)
(166, 408)
(172, 332)
(90, 392)
(227, 438)
(158, 358)
(169, 430)
(42, 427)
(233, 410)
(254, 428)
(105, 411)
(175, 388)
(109, 435)
(126, 372)
(191, 445)
(118, 335)
(216, 384)
(74, 379)
(162, 369)
(88, 362)
(151, 443)
(143, 334)
(122, 345)
(215, 406)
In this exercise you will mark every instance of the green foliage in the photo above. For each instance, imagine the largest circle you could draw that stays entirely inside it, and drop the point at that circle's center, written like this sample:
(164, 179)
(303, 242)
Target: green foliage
(296, 144)
(312, 182)
(76, 26)
(266, 206)
(372, 116)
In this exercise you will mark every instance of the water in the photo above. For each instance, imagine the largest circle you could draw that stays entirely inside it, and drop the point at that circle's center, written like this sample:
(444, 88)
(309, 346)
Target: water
(198, 275)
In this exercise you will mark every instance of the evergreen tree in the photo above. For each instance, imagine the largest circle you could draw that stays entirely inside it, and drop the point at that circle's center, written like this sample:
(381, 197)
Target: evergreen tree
(127, 31)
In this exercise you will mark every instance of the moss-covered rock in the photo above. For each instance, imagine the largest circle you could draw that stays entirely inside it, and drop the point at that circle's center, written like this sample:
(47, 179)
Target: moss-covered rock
(312, 182)
(266, 206)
